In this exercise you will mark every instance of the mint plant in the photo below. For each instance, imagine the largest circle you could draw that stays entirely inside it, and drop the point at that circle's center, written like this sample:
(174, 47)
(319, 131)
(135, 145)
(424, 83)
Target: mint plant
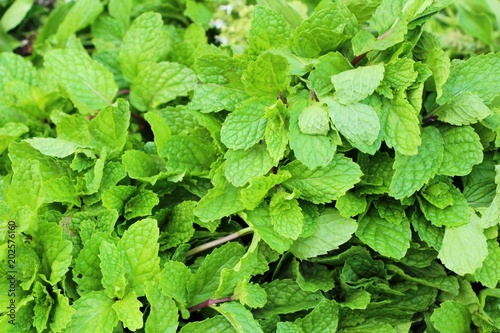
(288, 166)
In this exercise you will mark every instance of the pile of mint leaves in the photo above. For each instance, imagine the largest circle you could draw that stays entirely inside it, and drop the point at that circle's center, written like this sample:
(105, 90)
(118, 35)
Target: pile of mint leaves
(260, 166)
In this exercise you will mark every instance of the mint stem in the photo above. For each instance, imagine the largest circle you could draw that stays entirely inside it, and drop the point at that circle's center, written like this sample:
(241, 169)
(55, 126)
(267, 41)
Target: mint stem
(356, 60)
(208, 303)
(219, 241)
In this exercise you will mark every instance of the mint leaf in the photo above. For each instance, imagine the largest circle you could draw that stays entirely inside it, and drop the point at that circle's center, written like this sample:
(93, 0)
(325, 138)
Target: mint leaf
(202, 285)
(400, 74)
(9, 132)
(215, 324)
(323, 184)
(301, 143)
(276, 133)
(93, 311)
(163, 315)
(214, 98)
(389, 239)
(332, 231)
(364, 116)
(267, 76)
(472, 76)
(139, 249)
(252, 195)
(78, 17)
(141, 44)
(465, 109)
(286, 215)
(325, 30)
(241, 318)
(323, 318)
(244, 165)
(141, 204)
(113, 270)
(464, 247)
(109, 128)
(351, 204)
(173, 281)
(259, 220)
(268, 30)
(128, 311)
(451, 316)
(489, 273)
(455, 214)
(462, 150)
(89, 85)
(159, 83)
(400, 126)
(246, 125)
(314, 120)
(354, 85)
(327, 66)
(412, 172)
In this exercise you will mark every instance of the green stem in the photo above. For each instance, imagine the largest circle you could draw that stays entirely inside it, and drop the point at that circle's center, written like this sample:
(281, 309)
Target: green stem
(219, 241)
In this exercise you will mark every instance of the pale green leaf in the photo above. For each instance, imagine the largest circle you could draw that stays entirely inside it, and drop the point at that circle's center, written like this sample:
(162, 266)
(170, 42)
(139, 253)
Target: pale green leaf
(286, 215)
(214, 98)
(128, 311)
(464, 247)
(356, 84)
(465, 109)
(267, 76)
(388, 239)
(81, 14)
(268, 30)
(216, 324)
(323, 184)
(451, 316)
(173, 280)
(244, 165)
(89, 85)
(113, 271)
(327, 66)
(451, 216)
(241, 318)
(314, 120)
(332, 231)
(94, 313)
(413, 171)
(323, 318)
(489, 273)
(163, 312)
(159, 83)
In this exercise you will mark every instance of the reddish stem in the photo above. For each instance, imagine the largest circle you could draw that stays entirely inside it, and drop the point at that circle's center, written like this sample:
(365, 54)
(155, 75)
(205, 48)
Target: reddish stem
(208, 303)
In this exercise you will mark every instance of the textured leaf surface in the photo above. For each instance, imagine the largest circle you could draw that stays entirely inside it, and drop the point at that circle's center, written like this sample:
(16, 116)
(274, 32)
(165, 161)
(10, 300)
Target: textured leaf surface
(163, 315)
(323, 184)
(453, 215)
(268, 30)
(94, 313)
(451, 316)
(267, 76)
(356, 84)
(465, 109)
(241, 318)
(244, 165)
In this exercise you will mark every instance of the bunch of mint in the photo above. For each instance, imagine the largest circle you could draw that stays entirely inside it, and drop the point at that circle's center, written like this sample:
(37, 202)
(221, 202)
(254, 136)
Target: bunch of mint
(321, 167)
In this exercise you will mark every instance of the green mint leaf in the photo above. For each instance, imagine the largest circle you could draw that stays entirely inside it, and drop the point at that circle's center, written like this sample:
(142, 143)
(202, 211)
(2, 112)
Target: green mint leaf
(290, 14)
(473, 75)
(214, 98)
(465, 109)
(268, 30)
(78, 17)
(390, 210)
(412, 172)
(489, 273)
(113, 270)
(141, 44)
(161, 131)
(464, 247)
(259, 220)
(180, 227)
(267, 76)
(115, 197)
(246, 125)
(286, 296)
(159, 83)
(332, 231)
(400, 74)
(244, 165)
(325, 30)
(250, 294)
(253, 195)
(163, 313)
(10, 132)
(43, 306)
(222, 200)
(313, 276)
(53, 147)
(314, 120)
(301, 143)
(141, 204)
(241, 318)
(427, 232)
(17, 194)
(286, 215)
(479, 187)
(94, 313)
(323, 318)
(462, 150)
(220, 69)
(351, 204)
(121, 10)
(199, 13)
(109, 129)
(139, 249)
(437, 192)
(451, 216)
(323, 184)
(451, 316)
(213, 324)
(356, 84)
(202, 285)
(288, 327)
(400, 126)
(128, 311)
(173, 281)
(89, 85)
(276, 133)
(367, 127)
(141, 166)
(389, 239)
(63, 312)
(54, 250)
(327, 66)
